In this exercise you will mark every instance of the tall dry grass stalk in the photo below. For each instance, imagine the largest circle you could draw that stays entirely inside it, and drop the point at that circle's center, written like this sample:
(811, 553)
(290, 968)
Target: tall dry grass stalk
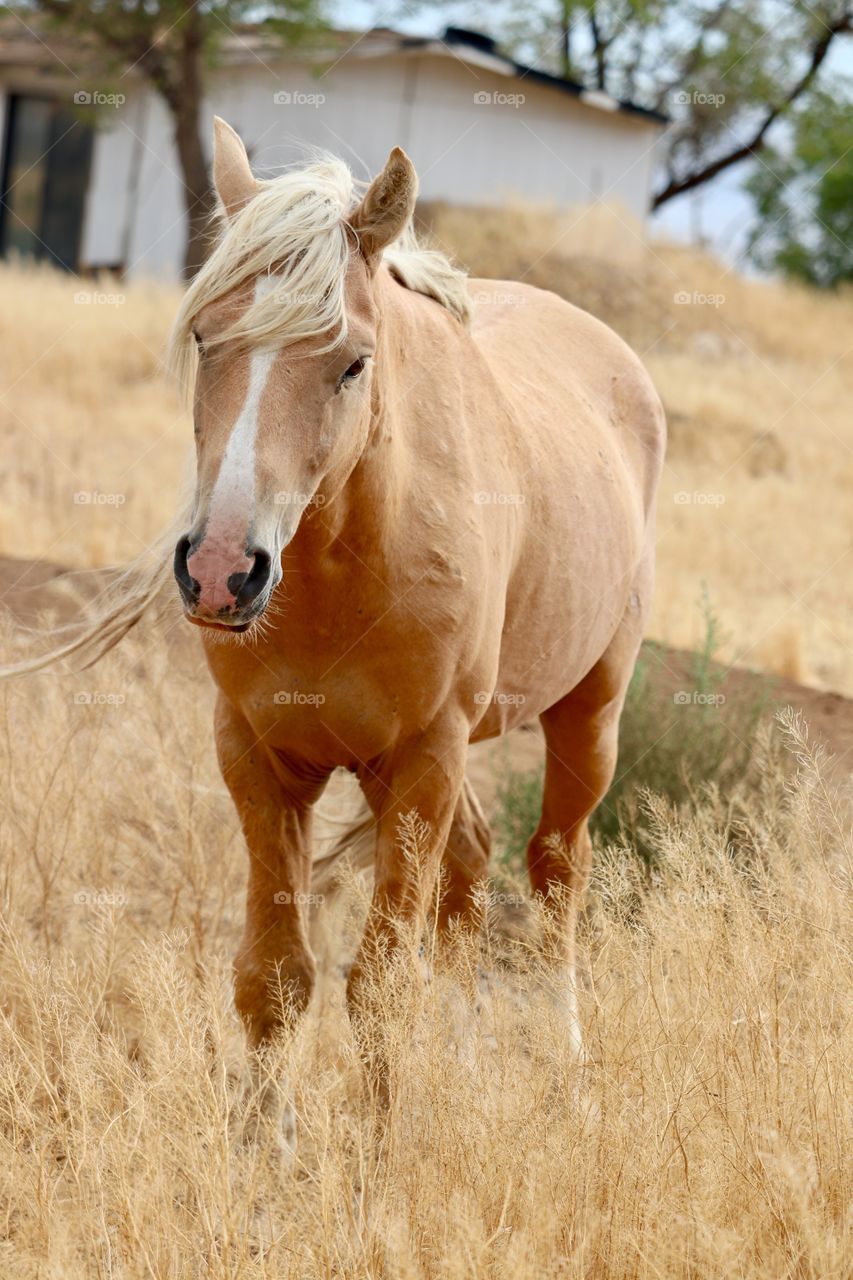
(707, 1135)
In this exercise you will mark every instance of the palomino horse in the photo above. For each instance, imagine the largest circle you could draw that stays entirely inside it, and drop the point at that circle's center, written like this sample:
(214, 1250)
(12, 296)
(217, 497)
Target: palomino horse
(418, 520)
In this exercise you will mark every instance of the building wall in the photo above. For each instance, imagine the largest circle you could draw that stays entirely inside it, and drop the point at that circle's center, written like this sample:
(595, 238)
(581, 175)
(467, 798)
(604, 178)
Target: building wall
(471, 141)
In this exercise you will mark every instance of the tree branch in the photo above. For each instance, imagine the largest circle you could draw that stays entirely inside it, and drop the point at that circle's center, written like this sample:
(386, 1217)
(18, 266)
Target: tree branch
(599, 49)
(693, 56)
(137, 48)
(678, 185)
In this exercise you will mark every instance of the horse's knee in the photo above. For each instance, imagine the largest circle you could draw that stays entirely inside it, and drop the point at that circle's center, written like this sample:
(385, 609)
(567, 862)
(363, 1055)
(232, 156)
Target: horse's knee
(271, 995)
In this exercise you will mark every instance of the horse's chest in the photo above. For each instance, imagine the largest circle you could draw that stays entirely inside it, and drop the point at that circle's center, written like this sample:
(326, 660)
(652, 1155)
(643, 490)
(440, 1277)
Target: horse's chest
(343, 697)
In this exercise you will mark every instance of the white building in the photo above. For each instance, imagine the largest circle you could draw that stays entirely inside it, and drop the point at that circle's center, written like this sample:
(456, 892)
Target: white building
(479, 127)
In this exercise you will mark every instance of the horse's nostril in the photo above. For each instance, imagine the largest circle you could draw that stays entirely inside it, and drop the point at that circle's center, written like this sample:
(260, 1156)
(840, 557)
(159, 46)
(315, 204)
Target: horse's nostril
(189, 588)
(251, 584)
(262, 565)
(216, 592)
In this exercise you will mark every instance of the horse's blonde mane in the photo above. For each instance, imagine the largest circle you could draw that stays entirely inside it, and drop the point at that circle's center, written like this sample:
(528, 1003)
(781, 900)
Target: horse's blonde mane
(297, 226)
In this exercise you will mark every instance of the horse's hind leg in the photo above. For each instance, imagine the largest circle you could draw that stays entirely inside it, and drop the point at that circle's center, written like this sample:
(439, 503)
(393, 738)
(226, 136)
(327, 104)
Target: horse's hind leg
(465, 865)
(581, 736)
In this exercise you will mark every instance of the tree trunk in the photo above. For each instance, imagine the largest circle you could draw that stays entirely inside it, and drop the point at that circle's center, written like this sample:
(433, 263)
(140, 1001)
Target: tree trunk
(566, 38)
(185, 103)
(198, 193)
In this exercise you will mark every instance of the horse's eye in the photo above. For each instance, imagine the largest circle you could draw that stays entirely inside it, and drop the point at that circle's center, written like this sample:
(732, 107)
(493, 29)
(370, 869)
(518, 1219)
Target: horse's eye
(199, 343)
(353, 371)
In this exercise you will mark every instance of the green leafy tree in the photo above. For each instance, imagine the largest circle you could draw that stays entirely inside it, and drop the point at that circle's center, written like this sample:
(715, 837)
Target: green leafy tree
(171, 43)
(804, 196)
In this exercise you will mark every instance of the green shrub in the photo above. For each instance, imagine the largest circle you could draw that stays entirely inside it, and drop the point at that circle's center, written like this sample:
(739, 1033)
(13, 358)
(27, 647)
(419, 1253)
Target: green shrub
(684, 728)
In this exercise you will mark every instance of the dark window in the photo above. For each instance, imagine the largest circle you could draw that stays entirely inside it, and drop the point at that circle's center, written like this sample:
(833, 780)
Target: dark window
(45, 175)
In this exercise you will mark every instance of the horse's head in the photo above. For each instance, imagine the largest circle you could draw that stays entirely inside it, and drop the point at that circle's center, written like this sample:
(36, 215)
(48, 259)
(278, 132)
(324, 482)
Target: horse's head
(283, 319)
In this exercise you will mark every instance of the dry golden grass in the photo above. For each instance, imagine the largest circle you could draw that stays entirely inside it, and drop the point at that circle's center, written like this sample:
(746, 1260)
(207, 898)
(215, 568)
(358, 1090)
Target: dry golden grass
(86, 413)
(708, 1135)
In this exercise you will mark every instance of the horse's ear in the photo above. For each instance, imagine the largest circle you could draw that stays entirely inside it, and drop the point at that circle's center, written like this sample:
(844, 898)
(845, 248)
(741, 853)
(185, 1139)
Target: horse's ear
(232, 175)
(388, 204)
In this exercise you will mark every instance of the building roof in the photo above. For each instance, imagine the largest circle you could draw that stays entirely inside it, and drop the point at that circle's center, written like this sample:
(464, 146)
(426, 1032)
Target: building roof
(28, 43)
(465, 44)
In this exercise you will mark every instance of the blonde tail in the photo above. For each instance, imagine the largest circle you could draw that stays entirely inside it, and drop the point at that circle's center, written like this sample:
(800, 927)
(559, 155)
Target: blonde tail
(144, 586)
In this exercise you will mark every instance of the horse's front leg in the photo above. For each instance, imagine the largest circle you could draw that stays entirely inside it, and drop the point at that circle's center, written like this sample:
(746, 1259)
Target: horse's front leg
(414, 793)
(274, 967)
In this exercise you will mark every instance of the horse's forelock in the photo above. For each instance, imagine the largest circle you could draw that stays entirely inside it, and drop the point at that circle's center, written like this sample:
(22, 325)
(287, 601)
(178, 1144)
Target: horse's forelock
(296, 228)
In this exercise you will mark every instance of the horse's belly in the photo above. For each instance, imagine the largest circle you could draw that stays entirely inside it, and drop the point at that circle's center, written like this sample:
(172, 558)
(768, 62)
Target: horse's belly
(535, 675)
(573, 584)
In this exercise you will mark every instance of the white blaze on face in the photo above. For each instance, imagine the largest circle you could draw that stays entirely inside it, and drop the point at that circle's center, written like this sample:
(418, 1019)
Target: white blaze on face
(233, 497)
(222, 551)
